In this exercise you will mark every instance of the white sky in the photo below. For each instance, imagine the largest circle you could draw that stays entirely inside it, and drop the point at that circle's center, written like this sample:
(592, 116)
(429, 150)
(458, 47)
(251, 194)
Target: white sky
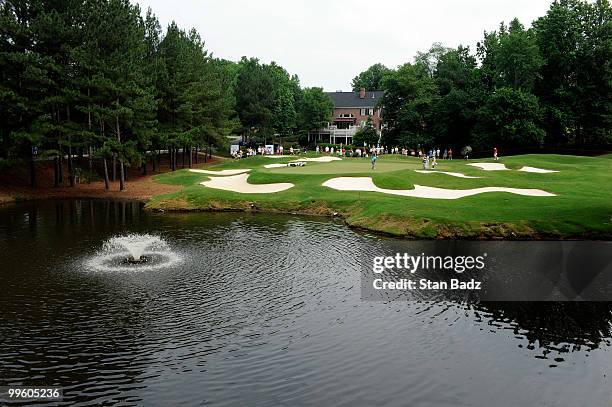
(327, 43)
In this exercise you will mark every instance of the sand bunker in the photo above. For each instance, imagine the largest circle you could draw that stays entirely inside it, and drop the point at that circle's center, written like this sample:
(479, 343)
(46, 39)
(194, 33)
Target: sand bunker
(497, 167)
(324, 159)
(222, 172)
(238, 183)
(452, 174)
(274, 165)
(366, 184)
(278, 156)
(490, 166)
(536, 170)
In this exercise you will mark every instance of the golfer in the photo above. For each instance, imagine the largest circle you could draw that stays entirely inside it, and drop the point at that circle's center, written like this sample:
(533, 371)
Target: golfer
(495, 153)
(374, 158)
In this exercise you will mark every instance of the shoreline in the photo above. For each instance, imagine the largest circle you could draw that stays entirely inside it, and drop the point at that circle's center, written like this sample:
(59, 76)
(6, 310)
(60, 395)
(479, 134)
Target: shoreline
(485, 234)
(444, 233)
(474, 219)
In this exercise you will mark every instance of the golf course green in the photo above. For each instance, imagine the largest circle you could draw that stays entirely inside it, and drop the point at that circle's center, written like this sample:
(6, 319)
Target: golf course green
(580, 208)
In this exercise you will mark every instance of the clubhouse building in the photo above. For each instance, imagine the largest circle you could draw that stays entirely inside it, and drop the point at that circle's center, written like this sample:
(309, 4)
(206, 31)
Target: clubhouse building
(351, 111)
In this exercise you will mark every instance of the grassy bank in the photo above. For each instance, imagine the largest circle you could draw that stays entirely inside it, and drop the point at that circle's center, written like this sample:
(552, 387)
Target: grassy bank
(581, 209)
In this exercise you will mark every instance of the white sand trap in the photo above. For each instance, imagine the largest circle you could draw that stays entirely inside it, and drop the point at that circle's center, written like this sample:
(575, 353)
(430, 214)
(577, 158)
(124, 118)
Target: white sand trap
(536, 170)
(278, 156)
(324, 159)
(366, 184)
(274, 165)
(238, 183)
(221, 172)
(452, 174)
(490, 166)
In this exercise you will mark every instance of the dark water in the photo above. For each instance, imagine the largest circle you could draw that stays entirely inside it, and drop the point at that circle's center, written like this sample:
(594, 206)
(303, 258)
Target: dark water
(266, 310)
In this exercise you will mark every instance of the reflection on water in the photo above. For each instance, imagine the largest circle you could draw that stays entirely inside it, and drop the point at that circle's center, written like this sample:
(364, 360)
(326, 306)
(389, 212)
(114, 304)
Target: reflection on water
(266, 310)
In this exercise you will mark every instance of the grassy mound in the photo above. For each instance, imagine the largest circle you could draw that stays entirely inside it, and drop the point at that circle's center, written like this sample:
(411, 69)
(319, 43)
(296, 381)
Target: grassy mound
(581, 209)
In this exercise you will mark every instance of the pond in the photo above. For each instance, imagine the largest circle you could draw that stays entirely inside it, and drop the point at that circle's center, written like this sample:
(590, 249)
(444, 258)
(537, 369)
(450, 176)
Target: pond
(267, 310)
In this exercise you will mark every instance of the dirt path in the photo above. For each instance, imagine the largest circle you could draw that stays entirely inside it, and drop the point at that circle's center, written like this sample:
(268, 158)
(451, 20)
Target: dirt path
(138, 187)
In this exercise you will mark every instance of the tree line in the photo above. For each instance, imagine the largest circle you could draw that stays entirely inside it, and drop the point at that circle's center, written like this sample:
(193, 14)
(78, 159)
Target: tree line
(98, 82)
(550, 84)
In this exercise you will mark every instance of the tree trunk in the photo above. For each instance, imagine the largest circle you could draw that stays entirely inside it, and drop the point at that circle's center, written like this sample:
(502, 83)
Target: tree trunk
(153, 156)
(55, 172)
(114, 168)
(89, 148)
(197, 153)
(70, 167)
(121, 176)
(183, 165)
(60, 167)
(90, 163)
(190, 157)
(32, 170)
(105, 174)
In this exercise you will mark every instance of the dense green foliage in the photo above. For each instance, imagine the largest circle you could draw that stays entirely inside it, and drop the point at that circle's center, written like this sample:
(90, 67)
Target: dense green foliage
(550, 84)
(367, 135)
(371, 78)
(100, 80)
(97, 79)
(316, 109)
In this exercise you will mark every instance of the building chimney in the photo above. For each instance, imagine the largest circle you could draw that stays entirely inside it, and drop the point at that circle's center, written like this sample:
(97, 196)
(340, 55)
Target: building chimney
(362, 93)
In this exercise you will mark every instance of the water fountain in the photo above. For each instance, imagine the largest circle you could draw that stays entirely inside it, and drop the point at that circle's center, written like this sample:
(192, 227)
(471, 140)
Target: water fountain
(133, 252)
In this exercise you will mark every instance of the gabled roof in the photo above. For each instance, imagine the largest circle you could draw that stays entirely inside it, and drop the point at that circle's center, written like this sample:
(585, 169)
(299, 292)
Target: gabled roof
(351, 99)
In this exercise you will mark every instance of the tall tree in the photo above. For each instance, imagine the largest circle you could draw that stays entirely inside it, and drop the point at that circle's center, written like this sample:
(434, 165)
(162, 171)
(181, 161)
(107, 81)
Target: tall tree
(316, 109)
(255, 100)
(283, 112)
(510, 57)
(454, 114)
(371, 78)
(408, 102)
(509, 117)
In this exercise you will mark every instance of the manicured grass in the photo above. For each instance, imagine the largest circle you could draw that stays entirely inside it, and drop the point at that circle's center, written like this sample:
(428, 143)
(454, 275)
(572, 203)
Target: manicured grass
(581, 209)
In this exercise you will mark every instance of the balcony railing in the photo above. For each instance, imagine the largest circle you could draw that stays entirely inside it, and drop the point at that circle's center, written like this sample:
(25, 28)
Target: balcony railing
(335, 131)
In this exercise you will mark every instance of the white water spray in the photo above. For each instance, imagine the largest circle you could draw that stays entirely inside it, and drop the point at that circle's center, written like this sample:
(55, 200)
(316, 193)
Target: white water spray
(133, 252)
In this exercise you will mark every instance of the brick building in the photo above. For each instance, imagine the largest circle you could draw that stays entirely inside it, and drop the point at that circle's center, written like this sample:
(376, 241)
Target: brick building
(351, 111)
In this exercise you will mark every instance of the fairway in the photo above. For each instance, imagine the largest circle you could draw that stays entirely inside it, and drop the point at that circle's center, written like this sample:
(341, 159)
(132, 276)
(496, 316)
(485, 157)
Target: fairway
(575, 201)
(352, 166)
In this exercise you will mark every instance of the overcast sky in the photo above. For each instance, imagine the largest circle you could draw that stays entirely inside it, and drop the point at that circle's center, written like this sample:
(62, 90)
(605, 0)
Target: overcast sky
(327, 42)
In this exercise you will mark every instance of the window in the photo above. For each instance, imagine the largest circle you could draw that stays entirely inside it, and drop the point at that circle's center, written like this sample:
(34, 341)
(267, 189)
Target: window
(370, 112)
(363, 112)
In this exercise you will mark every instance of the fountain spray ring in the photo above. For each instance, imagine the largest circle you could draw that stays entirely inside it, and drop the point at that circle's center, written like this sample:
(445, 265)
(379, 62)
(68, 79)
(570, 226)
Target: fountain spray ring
(133, 252)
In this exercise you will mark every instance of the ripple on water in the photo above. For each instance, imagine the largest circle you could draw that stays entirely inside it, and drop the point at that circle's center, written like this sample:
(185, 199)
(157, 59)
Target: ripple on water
(267, 310)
